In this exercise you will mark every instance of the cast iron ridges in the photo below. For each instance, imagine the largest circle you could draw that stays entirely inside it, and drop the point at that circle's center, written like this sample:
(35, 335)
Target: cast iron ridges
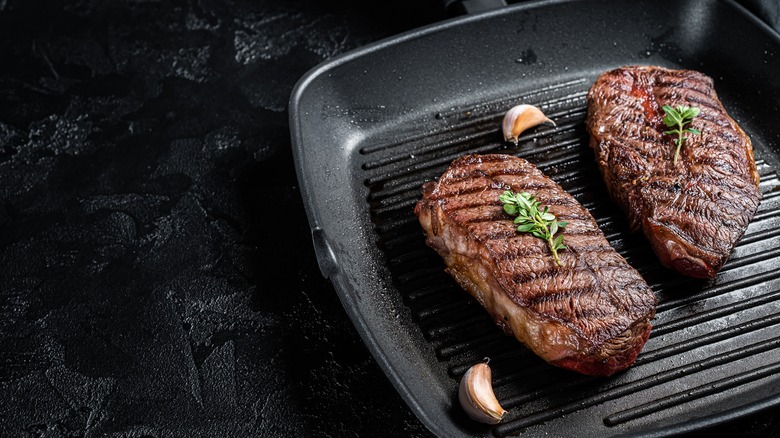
(444, 311)
(426, 160)
(581, 398)
(710, 337)
(684, 321)
(574, 384)
(403, 199)
(694, 393)
(692, 316)
(434, 157)
(750, 286)
(459, 118)
(653, 380)
(398, 215)
(461, 317)
(433, 274)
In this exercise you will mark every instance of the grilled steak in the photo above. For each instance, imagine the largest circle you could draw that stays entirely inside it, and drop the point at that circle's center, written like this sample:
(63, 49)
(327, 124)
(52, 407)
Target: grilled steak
(591, 314)
(692, 212)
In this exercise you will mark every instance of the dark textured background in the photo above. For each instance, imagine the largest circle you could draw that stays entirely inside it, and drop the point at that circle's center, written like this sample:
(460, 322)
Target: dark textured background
(158, 277)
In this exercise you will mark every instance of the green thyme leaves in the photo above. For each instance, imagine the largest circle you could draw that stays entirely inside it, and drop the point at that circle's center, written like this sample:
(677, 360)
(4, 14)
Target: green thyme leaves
(678, 118)
(531, 217)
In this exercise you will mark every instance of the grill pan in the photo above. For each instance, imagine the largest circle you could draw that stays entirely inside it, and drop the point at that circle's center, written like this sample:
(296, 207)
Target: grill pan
(371, 126)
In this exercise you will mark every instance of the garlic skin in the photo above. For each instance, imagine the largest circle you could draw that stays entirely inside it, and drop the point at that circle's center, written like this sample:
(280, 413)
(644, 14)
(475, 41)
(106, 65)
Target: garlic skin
(476, 395)
(520, 118)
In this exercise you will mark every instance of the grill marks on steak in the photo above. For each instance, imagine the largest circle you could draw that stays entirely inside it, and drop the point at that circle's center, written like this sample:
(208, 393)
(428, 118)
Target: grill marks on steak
(590, 315)
(692, 213)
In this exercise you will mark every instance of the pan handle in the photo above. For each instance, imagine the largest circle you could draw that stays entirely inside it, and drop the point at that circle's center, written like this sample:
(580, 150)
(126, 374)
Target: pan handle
(461, 7)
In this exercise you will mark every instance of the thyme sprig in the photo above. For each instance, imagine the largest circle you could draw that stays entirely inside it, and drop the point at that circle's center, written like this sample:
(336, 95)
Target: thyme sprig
(532, 218)
(678, 118)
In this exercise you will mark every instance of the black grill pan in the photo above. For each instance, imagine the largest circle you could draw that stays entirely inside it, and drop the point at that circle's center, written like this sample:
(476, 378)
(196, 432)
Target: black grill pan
(371, 126)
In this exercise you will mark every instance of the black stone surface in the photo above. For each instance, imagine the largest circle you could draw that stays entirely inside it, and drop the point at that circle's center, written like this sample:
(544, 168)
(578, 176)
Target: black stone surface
(158, 278)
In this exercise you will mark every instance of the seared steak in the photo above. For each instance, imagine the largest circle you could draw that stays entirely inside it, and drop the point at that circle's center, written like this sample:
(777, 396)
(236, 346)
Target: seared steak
(692, 212)
(591, 314)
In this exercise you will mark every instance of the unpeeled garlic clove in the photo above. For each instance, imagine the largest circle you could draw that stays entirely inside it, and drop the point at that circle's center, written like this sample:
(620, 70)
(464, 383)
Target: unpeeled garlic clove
(520, 118)
(476, 395)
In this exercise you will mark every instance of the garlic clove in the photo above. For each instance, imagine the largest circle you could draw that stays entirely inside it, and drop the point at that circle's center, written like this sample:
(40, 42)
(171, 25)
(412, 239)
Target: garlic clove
(520, 118)
(476, 395)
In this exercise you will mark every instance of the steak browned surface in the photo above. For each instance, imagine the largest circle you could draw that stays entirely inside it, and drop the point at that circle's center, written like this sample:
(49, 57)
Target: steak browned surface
(693, 212)
(591, 314)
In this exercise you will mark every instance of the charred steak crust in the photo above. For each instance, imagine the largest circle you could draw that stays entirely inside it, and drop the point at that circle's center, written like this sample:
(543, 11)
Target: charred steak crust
(591, 315)
(693, 213)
